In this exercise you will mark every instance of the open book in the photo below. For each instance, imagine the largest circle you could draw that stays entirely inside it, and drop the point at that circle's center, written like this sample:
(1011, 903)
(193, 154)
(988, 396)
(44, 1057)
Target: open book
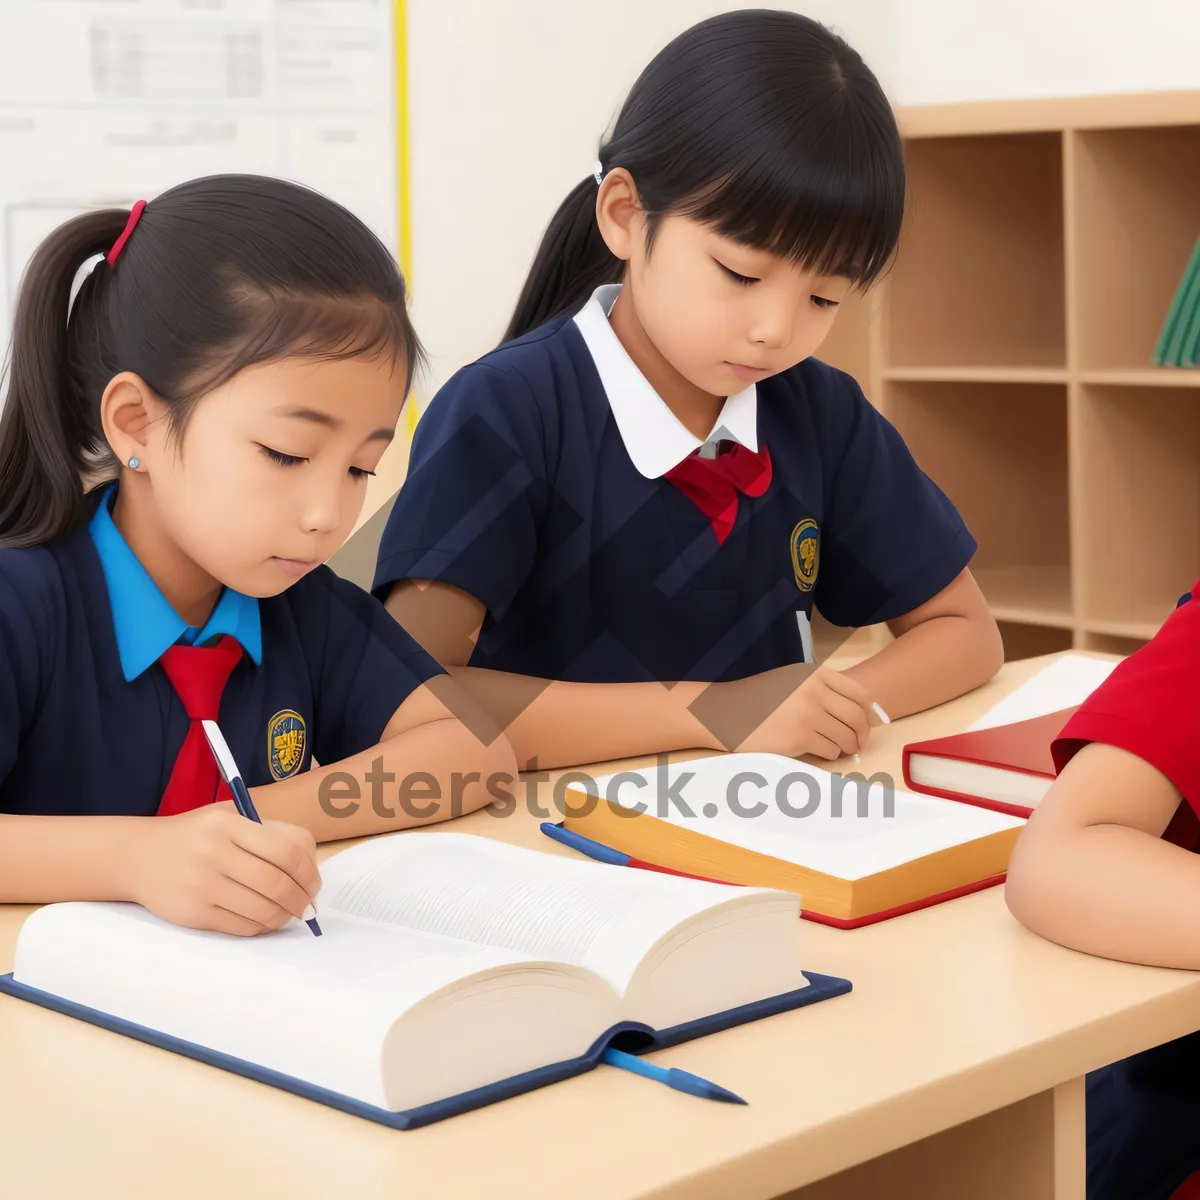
(1065, 683)
(454, 970)
(855, 849)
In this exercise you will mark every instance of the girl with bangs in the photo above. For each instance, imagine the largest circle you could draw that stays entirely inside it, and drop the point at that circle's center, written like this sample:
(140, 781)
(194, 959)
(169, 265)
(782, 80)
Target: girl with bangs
(227, 365)
(653, 481)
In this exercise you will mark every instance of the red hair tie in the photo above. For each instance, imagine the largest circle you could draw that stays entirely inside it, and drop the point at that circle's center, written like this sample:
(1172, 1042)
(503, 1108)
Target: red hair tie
(134, 215)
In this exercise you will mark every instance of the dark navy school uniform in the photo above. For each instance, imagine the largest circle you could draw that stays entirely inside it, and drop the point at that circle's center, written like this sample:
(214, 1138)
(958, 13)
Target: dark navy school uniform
(1143, 1112)
(537, 484)
(90, 724)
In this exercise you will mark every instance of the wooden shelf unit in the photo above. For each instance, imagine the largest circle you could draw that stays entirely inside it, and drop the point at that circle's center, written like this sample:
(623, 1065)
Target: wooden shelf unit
(1011, 345)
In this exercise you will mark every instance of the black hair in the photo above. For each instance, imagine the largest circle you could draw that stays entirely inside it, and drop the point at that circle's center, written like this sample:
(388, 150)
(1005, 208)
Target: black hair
(766, 126)
(218, 274)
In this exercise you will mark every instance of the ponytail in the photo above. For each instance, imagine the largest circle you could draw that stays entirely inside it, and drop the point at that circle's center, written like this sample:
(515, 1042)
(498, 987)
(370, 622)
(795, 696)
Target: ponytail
(761, 124)
(220, 273)
(572, 261)
(49, 429)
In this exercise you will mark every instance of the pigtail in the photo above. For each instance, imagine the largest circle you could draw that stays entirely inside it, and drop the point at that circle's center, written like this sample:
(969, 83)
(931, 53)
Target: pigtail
(48, 431)
(572, 261)
(221, 273)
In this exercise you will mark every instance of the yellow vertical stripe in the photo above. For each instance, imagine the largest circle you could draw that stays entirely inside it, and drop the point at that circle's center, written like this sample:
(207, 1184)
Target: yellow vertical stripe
(403, 173)
(403, 166)
(392, 466)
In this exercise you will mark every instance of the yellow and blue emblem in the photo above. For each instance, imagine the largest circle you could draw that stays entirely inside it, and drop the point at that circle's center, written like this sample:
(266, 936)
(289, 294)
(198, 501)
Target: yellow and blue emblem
(285, 743)
(806, 553)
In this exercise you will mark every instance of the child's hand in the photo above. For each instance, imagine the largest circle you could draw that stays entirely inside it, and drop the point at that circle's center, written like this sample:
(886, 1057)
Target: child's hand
(805, 711)
(214, 869)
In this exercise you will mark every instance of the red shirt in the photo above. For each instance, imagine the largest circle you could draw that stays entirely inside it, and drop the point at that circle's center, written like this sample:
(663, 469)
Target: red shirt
(1150, 706)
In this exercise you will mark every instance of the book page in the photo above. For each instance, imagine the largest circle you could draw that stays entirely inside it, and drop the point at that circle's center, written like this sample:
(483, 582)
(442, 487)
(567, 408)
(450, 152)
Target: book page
(319, 1009)
(978, 779)
(354, 951)
(1066, 682)
(463, 886)
(843, 826)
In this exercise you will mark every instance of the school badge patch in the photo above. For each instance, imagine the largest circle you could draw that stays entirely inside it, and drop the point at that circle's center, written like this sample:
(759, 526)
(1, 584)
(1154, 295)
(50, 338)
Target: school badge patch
(285, 743)
(806, 553)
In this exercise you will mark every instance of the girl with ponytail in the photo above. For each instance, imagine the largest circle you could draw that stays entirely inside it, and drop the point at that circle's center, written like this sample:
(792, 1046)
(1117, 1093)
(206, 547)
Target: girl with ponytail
(229, 362)
(653, 481)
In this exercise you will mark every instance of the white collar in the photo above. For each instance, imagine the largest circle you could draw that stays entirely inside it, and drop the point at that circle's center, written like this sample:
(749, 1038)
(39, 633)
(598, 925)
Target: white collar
(655, 439)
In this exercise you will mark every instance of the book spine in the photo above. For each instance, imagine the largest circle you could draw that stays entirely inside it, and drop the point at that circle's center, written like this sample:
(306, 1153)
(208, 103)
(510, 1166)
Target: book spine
(1169, 353)
(1176, 356)
(1189, 355)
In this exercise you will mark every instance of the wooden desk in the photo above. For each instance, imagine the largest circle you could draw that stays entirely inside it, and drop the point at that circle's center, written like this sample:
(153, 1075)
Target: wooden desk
(953, 1070)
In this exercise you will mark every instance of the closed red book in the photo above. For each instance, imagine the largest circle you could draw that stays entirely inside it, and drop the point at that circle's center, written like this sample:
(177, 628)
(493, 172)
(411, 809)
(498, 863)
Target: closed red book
(1008, 768)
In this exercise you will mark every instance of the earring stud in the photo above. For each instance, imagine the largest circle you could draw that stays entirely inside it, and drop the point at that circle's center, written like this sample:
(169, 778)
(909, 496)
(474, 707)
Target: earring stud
(134, 463)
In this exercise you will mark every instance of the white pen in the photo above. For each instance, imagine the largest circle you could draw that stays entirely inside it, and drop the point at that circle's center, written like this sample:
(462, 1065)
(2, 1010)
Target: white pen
(882, 716)
(241, 794)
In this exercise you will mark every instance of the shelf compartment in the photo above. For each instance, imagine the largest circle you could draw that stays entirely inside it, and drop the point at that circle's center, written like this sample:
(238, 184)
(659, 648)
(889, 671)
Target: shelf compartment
(848, 346)
(1137, 218)
(1140, 506)
(1106, 643)
(1143, 622)
(999, 451)
(1040, 595)
(1023, 640)
(979, 277)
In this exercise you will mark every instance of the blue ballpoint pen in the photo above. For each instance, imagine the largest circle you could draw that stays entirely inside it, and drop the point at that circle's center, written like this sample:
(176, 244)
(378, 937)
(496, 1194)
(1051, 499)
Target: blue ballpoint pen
(616, 858)
(241, 795)
(683, 1081)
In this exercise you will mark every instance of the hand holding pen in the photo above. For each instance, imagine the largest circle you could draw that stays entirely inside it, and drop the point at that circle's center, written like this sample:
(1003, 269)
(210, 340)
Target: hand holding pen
(211, 868)
(241, 797)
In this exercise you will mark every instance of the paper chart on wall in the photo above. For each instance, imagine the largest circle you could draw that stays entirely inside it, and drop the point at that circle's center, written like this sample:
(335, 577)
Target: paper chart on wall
(104, 102)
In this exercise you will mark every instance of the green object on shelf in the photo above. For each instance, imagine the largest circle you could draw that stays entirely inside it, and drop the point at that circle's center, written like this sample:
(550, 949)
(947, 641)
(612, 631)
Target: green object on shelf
(1189, 355)
(1180, 347)
(1170, 350)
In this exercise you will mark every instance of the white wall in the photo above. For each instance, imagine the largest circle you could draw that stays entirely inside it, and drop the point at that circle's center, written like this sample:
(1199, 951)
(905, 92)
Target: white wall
(961, 50)
(508, 102)
(509, 99)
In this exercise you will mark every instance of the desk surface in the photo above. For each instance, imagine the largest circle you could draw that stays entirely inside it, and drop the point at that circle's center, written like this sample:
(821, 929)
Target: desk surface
(956, 1011)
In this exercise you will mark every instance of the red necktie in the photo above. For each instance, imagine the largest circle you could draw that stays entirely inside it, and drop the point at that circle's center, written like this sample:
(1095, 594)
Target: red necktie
(198, 674)
(713, 484)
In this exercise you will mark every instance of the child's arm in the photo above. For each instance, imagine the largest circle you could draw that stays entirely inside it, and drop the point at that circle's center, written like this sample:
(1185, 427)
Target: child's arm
(440, 756)
(213, 869)
(793, 710)
(1096, 867)
(944, 648)
(395, 742)
(208, 869)
(1091, 871)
